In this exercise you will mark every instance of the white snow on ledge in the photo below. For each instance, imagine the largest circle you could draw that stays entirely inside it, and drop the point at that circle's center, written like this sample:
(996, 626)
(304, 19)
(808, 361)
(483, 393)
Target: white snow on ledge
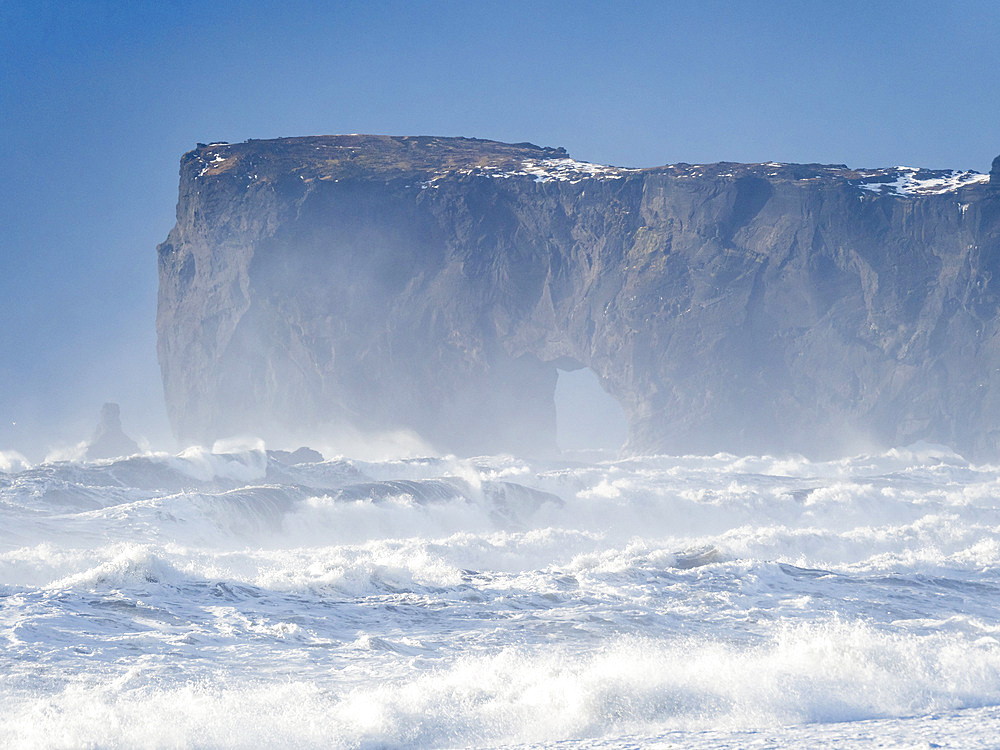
(912, 181)
(207, 165)
(566, 170)
(542, 170)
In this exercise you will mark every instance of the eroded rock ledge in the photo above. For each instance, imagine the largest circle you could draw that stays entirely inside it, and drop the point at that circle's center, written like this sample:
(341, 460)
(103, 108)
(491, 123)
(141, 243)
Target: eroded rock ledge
(435, 284)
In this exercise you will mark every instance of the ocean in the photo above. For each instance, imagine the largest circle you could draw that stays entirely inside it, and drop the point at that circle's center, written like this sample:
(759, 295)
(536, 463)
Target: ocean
(222, 599)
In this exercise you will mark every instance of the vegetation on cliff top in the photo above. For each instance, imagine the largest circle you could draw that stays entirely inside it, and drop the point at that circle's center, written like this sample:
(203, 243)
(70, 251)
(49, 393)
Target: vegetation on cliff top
(346, 156)
(423, 159)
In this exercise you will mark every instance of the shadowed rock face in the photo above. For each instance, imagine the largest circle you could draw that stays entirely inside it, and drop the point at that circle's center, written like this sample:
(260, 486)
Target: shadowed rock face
(109, 441)
(435, 284)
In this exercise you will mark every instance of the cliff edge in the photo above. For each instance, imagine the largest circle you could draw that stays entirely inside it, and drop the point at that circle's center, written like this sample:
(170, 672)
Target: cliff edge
(435, 285)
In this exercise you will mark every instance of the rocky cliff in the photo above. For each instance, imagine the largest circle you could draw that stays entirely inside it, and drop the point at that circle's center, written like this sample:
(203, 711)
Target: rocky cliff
(435, 284)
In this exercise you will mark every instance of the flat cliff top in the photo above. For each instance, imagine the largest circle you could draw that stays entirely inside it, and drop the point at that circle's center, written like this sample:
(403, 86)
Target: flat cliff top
(426, 160)
(344, 156)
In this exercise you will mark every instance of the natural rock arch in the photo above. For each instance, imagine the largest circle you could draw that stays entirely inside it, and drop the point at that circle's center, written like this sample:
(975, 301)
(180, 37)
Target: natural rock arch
(588, 418)
(435, 284)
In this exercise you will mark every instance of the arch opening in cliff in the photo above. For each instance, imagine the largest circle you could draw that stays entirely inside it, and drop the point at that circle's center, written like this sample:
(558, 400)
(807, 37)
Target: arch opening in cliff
(588, 418)
(434, 285)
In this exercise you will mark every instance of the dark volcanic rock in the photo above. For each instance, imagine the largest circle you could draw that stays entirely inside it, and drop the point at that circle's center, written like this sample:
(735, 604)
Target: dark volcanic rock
(434, 284)
(109, 441)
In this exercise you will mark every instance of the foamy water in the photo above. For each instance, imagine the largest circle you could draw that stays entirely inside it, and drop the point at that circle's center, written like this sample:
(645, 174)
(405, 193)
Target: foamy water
(225, 600)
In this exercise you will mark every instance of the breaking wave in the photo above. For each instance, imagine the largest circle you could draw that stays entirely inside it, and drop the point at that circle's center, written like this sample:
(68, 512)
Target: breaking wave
(223, 598)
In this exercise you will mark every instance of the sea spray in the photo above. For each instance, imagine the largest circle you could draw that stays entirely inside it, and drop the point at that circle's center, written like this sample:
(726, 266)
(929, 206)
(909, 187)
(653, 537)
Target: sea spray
(225, 600)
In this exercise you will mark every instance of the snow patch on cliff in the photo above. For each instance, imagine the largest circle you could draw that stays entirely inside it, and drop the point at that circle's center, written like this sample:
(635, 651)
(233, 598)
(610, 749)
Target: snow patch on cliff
(566, 170)
(207, 165)
(542, 170)
(913, 181)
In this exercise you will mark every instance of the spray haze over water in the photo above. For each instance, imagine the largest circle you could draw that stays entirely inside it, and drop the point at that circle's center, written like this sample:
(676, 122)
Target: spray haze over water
(397, 594)
(225, 598)
(392, 300)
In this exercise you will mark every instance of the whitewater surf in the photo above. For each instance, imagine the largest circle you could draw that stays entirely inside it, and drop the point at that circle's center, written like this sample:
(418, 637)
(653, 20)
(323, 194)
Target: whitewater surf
(225, 599)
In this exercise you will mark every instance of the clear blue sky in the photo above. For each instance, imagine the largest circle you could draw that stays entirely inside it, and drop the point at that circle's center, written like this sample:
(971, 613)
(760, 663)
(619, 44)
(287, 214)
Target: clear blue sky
(98, 100)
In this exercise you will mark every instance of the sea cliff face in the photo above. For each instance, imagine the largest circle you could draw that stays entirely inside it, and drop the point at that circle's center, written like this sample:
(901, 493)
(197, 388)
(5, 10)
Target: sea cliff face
(435, 285)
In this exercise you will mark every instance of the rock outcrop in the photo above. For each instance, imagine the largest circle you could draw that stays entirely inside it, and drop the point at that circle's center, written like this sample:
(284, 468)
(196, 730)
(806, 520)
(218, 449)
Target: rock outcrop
(109, 441)
(435, 285)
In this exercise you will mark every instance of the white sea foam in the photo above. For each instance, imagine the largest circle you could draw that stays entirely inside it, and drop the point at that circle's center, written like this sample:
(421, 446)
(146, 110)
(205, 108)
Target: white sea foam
(12, 461)
(817, 673)
(75, 452)
(219, 598)
(246, 463)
